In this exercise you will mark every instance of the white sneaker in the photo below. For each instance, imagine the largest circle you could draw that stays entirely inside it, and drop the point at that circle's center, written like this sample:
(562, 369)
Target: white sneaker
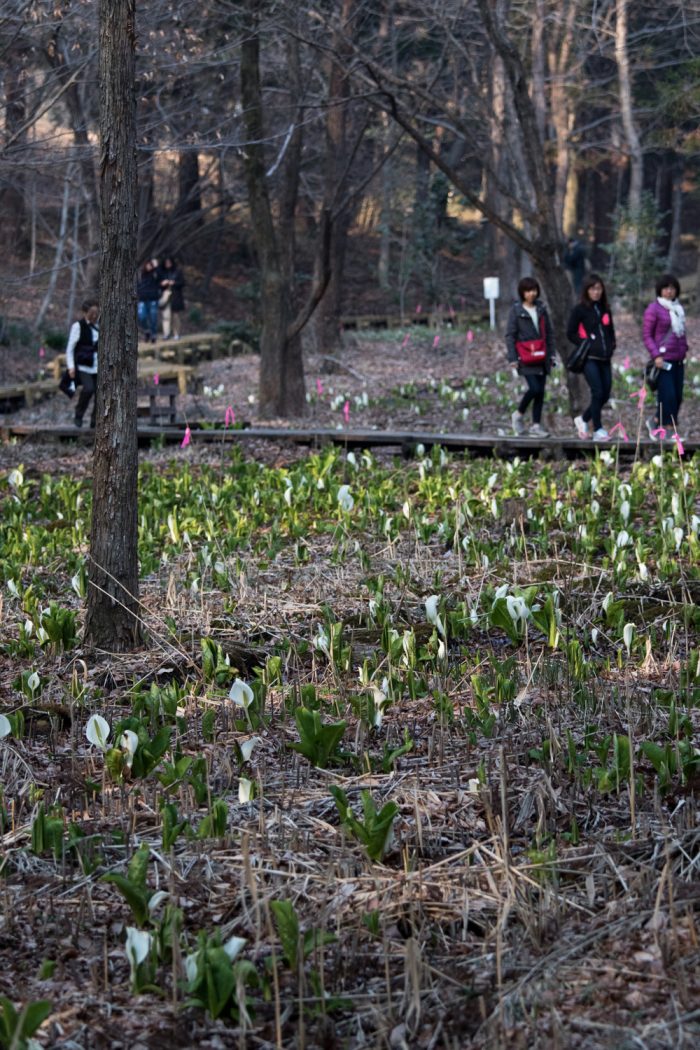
(652, 425)
(518, 421)
(601, 435)
(537, 431)
(581, 428)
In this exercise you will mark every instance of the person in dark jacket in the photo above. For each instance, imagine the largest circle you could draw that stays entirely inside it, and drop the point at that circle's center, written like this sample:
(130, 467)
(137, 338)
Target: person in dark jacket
(172, 301)
(81, 358)
(665, 339)
(529, 342)
(591, 319)
(148, 293)
(575, 262)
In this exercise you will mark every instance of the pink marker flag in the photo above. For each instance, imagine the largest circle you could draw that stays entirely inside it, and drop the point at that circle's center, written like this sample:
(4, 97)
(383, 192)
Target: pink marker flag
(42, 352)
(619, 428)
(346, 411)
(156, 379)
(641, 394)
(436, 342)
(186, 439)
(419, 308)
(679, 444)
(319, 387)
(470, 336)
(659, 433)
(626, 362)
(405, 342)
(229, 417)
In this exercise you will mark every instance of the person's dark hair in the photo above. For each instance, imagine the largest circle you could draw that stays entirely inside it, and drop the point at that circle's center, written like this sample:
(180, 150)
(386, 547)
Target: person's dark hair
(527, 284)
(88, 303)
(665, 280)
(588, 281)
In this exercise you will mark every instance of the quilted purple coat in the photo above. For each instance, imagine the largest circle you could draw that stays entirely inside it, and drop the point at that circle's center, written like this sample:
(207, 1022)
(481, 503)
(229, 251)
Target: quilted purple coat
(657, 333)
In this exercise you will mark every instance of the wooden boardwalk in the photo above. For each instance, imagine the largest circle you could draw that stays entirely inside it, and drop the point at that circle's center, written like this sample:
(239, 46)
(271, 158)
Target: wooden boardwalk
(402, 442)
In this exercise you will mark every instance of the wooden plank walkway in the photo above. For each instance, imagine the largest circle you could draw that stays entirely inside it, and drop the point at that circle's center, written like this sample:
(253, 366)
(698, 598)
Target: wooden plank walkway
(503, 446)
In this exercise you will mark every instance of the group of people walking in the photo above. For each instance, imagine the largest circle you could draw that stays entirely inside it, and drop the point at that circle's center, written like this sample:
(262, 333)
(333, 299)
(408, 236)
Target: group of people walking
(159, 288)
(530, 344)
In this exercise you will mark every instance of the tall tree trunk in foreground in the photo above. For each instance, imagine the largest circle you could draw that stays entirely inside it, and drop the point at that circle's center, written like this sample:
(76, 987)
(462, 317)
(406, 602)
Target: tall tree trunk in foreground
(112, 608)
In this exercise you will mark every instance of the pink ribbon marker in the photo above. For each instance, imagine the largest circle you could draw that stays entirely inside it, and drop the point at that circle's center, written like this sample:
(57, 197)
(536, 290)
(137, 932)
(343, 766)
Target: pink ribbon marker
(42, 352)
(319, 387)
(346, 411)
(405, 342)
(679, 444)
(659, 433)
(156, 379)
(436, 342)
(626, 361)
(619, 427)
(641, 394)
(419, 308)
(470, 336)
(229, 417)
(186, 439)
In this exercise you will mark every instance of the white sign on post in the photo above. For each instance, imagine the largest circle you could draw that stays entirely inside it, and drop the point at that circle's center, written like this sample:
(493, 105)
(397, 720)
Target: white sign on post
(492, 291)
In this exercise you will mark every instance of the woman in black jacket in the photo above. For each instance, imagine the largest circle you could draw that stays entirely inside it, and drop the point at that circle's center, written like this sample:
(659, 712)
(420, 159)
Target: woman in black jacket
(530, 344)
(591, 319)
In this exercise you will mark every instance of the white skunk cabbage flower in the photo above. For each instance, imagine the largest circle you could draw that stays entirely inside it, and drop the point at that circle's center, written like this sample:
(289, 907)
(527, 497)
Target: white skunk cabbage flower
(248, 746)
(138, 945)
(627, 636)
(233, 947)
(97, 731)
(5, 727)
(128, 742)
(517, 608)
(345, 500)
(241, 694)
(245, 790)
(431, 613)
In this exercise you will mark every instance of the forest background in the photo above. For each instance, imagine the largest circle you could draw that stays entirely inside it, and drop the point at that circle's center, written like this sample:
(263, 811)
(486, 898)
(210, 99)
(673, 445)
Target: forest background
(375, 157)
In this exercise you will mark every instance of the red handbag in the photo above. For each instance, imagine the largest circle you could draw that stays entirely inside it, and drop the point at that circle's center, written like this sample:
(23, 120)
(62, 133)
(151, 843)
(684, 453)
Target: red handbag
(532, 351)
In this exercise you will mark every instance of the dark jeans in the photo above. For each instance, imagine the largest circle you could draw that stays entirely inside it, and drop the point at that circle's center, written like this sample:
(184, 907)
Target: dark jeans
(599, 378)
(88, 385)
(669, 393)
(148, 317)
(534, 394)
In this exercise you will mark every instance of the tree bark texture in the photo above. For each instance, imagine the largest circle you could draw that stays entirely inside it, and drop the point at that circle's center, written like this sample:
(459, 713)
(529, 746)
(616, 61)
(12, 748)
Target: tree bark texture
(626, 109)
(282, 389)
(112, 620)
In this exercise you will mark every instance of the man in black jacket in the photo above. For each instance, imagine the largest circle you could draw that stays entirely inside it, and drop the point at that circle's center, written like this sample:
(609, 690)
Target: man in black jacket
(81, 358)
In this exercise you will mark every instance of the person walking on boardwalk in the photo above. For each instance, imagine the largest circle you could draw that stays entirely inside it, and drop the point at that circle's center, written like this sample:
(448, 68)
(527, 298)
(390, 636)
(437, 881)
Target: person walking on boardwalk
(665, 339)
(530, 344)
(81, 358)
(172, 301)
(148, 294)
(591, 320)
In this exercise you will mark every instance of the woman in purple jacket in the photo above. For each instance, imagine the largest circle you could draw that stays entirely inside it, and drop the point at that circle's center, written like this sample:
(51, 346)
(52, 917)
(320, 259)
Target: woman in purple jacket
(664, 338)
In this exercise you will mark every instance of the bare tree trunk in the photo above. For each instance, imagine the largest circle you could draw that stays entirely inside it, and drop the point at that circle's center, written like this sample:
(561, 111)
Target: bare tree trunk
(676, 214)
(282, 389)
(112, 619)
(626, 108)
(189, 200)
(328, 315)
(58, 254)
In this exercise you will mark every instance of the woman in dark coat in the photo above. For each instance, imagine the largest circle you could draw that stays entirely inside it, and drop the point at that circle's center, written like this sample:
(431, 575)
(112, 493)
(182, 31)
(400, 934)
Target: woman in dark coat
(530, 344)
(591, 319)
(172, 300)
